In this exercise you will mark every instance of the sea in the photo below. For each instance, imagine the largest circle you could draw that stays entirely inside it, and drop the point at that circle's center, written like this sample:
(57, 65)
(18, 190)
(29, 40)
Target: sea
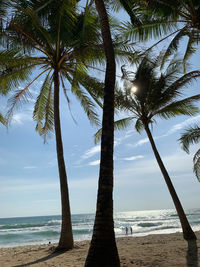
(44, 229)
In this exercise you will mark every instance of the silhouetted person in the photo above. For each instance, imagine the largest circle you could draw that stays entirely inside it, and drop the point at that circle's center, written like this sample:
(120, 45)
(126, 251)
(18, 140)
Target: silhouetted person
(126, 230)
(131, 230)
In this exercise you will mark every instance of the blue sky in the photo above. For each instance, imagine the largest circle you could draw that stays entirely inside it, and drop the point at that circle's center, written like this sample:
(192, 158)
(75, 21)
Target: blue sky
(29, 182)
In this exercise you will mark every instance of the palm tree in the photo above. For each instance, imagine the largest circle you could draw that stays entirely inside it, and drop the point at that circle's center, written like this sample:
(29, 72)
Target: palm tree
(189, 137)
(166, 19)
(103, 249)
(59, 43)
(148, 95)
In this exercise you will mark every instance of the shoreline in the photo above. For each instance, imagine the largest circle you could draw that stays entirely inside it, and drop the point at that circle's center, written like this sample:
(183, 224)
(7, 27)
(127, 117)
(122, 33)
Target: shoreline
(151, 250)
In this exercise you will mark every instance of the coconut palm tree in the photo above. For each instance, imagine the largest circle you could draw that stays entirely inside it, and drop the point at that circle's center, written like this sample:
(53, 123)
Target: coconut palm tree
(58, 43)
(103, 250)
(192, 136)
(148, 95)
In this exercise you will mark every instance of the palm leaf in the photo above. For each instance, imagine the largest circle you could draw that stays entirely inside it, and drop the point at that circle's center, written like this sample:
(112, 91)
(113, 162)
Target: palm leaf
(132, 11)
(182, 107)
(139, 126)
(43, 112)
(85, 101)
(174, 89)
(151, 29)
(20, 96)
(93, 86)
(42, 33)
(173, 46)
(15, 68)
(118, 125)
(196, 161)
(2, 119)
(189, 137)
(190, 49)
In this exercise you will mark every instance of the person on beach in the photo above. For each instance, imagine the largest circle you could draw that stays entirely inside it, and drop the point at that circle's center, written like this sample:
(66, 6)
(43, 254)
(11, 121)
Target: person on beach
(126, 230)
(131, 229)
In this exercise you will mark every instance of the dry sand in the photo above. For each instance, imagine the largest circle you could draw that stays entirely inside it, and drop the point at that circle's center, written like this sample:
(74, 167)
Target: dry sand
(154, 250)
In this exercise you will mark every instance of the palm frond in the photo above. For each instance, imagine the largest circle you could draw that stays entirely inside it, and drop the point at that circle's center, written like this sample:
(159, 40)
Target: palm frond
(43, 112)
(85, 101)
(42, 33)
(10, 78)
(132, 12)
(190, 49)
(93, 86)
(2, 119)
(181, 107)
(196, 161)
(139, 126)
(124, 102)
(190, 136)
(174, 44)
(20, 96)
(66, 96)
(124, 123)
(15, 69)
(121, 124)
(151, 29)
(88, 27)
(174, 89)
(97, 136)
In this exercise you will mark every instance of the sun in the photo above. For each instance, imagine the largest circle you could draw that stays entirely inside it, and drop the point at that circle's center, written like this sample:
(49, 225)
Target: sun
(133, 89)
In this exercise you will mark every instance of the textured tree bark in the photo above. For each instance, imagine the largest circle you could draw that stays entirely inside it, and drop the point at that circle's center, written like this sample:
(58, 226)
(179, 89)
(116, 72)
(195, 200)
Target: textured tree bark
(103, 250)
(188, 233)
(66, 237)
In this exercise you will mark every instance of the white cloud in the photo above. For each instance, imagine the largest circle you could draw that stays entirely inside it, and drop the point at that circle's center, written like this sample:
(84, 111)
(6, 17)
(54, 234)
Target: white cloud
(141, 142)
(182, 125)
(30, 167)
(127, 134)
(20, 118)
(94, 163)
(134, 158)
(91, 152)
(96, 149)
(174, 129)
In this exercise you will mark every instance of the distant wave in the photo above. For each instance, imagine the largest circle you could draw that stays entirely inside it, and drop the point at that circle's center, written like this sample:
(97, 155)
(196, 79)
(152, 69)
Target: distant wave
(54, 222)
(19, 226)
(149, 224)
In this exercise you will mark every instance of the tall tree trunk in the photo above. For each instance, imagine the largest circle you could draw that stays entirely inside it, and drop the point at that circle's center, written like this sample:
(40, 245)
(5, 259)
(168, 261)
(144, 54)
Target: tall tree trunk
(188, 234)
(103, 250)
(66, 238)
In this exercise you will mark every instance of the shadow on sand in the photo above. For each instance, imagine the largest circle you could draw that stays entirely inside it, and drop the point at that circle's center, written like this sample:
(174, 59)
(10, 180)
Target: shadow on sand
(192, 254)
(52, 255)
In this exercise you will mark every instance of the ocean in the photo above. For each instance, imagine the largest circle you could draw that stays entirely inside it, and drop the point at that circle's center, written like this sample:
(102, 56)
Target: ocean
(44, 229)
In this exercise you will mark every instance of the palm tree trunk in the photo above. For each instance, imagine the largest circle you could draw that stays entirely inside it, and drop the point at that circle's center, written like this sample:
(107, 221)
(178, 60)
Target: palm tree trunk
(103, 250)
(188, 234)
(66, 238)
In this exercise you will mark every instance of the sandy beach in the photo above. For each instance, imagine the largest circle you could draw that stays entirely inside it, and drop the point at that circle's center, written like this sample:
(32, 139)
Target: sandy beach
(152, 250)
